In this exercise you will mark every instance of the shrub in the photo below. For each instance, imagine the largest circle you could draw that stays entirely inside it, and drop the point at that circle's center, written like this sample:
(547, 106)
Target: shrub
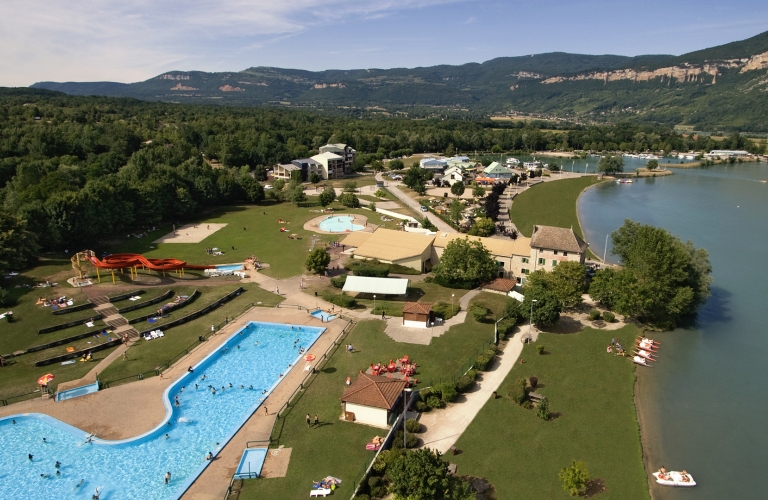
(594, 314)
(398, 269)
(444, 310)
(425, 393)
(447, 391)
(5, 298)
(574, 478)
(339, 281)
(411, 441)
(464, 383)
(412, 426)
(516, 390)
(534, 381)
(340, 299)
(479, 312)
(609, 316)
(472, 374)
(434, 402)
(421, 406)
(527, 404)
(429, 279)
(362, 496)
(349, 200)
(540, 348)
(317, 260)
(481, 362)
(380, 193)
(542, 411)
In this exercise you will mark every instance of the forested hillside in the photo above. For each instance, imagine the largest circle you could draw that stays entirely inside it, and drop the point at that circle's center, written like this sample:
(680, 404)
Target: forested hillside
(720, 88)
(79, 169)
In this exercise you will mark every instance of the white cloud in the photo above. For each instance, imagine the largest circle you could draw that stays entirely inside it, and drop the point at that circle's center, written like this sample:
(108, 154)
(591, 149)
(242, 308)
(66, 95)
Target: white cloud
(88, 40)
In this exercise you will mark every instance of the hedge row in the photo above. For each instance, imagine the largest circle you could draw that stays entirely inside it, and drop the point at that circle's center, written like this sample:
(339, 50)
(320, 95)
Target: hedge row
(79, 354)
(124, 296)
(71, 309)
(191, 299)
(149, 302)
(197, 314)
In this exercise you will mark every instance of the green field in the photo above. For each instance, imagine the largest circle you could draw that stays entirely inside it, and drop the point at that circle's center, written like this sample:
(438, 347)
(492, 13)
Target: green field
(550, 204)
(338, 448)
(592, 394)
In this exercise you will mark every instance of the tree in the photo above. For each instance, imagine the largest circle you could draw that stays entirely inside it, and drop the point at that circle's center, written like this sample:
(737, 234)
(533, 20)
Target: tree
(601, 287)
(574, 478)
(296, 176)
(413, 176)
(455, 209)
(492, 206)
(327, 196)
(18, 246)
(610, 164)
(317, 261)
(297, 195)
(314, 178)
(478, 191)
(420, 189)
(663, 279)
(349, 200)
(380, 193)
(396, 165)
(496, 149)
(450, 150)
(513, 311)
(546, 309)
(483, 227)
(422, 475)
(458, 189)
(465, 264)
(350, 187)
(652, 164)
(567, 282)
(427, 224)
(260, 173)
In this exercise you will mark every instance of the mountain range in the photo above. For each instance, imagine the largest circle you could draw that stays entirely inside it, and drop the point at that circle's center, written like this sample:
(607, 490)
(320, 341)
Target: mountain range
(719, 88)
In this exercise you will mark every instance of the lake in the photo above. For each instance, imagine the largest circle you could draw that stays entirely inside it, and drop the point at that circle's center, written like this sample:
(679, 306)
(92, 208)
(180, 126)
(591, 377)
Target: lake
(703, 406)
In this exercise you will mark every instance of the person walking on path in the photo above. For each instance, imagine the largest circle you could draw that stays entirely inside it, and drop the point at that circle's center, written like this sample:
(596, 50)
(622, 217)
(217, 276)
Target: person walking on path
(317, 421)
(382, 316)
(309, 421)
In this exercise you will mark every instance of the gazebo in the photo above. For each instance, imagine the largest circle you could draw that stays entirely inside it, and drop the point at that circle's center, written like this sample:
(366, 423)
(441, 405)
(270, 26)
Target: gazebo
(418, 314)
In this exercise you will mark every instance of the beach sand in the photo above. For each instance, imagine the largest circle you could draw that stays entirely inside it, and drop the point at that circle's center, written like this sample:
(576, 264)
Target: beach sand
(191, 233)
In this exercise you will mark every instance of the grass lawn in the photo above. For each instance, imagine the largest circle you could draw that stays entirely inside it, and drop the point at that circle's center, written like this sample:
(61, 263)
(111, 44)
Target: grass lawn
(262, 237)
(361, 180)
(550, 204)
(336, 447)
(146, 356)
(592, 394)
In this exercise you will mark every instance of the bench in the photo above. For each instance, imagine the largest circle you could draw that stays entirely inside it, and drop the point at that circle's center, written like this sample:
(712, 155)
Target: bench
(320, 493)
(535, 396)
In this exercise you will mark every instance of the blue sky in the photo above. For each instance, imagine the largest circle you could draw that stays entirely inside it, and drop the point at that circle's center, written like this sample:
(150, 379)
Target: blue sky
(133, 40)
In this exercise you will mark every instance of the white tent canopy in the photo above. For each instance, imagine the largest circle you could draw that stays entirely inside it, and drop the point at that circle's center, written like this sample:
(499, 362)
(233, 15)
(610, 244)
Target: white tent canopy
(382, 286)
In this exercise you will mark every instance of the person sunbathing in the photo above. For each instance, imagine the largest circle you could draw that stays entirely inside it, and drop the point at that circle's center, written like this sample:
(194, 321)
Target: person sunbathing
(609, 349)
(684, 477)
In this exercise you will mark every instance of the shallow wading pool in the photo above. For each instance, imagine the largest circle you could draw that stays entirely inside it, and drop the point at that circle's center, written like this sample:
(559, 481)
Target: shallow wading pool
(254, 358)
(339, 224)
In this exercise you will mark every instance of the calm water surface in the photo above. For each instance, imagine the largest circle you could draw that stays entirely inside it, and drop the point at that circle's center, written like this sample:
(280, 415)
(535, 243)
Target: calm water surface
(705, 404)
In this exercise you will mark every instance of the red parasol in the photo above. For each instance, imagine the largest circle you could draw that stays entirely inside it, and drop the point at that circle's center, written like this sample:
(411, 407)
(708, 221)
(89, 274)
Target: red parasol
(45, 379)
(310, 357)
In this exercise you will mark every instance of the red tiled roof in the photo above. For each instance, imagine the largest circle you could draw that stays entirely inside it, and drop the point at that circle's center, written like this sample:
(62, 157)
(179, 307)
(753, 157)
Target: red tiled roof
(417, 307)
(370, 390)
(501, 285)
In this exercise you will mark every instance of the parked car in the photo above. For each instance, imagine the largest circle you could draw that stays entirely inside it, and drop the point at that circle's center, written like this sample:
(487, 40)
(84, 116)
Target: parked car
(268, 186)
(424, 209)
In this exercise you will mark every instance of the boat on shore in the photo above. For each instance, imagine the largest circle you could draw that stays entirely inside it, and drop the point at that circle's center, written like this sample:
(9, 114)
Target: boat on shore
(640, 361)
(644, 354)
(674, 478)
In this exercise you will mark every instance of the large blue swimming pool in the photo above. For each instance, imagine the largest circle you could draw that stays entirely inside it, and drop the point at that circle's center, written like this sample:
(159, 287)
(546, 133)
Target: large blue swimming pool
(255, 356)
(339, 224)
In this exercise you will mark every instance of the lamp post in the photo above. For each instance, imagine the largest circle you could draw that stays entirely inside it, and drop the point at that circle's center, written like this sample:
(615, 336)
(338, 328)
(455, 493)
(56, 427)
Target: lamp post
(496, 331)
(452, 311)
(530, 321)
(374, 304)
(405, 410)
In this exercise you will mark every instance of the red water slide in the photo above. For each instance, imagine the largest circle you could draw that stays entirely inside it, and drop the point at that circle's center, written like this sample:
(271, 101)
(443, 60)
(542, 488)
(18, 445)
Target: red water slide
(124, 260)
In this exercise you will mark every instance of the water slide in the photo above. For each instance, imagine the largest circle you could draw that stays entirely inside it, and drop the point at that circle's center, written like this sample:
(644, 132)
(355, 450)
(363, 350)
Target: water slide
(125, 260)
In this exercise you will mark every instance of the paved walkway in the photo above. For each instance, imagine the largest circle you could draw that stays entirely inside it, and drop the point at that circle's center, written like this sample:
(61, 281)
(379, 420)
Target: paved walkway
(445, 426)
(424, 336)
(413, 204)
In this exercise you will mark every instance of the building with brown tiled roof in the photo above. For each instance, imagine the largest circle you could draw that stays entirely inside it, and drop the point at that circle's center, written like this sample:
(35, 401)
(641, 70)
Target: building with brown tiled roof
(371, 399)
(552, 245)
(499, 285)
(417, 314)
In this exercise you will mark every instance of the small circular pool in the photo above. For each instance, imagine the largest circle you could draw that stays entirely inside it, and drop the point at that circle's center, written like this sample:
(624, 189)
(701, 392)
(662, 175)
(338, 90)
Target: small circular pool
(339, 224)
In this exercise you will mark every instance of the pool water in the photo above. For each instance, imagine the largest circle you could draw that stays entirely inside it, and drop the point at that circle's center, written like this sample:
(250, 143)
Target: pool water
(339, 224)
(230, 267)
(322, 315)
(254, 356)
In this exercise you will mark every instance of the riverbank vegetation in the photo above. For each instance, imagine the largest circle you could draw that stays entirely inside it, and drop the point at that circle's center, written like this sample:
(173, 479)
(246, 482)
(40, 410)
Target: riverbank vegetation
(662, 281)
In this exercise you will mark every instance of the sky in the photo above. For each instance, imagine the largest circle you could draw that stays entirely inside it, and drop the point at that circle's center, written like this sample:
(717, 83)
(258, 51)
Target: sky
(134, 40)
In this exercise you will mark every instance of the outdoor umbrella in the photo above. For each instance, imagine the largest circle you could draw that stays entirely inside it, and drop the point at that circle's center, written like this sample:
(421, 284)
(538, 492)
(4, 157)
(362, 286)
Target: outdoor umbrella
(45, 379)
(309, 357)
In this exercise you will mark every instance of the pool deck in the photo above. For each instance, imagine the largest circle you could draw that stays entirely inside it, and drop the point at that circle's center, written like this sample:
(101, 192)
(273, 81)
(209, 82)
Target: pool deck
(132, 409)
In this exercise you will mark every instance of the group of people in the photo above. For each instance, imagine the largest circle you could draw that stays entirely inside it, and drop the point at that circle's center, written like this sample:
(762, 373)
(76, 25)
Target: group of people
(56, 301)
(312, 423)
(664, 475)
(213, 251)
(616, 346)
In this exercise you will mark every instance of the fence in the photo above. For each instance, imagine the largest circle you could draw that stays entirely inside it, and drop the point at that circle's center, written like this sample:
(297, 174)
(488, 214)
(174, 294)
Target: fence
(21, 397)
(290, 402)
(156, 372)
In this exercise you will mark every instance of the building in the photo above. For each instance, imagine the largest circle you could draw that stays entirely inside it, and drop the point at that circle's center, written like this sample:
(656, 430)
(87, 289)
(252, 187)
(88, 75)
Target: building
(381, 286)
(497, 171)
(393, 247)
(434, 164)
(452, 175)
(552, 245)
(512, 256)
(727, 153)
(348, 153)
(418, 314)
(372, 399)
(307, 166)
(331, 165)
(499, 285)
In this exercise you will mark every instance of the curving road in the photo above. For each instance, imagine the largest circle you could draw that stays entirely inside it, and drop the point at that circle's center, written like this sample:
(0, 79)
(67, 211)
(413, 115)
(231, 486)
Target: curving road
(414, 205)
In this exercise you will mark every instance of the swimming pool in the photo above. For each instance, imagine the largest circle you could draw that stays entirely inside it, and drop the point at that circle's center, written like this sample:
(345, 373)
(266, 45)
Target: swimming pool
(230, 267)
(323, 316)
(254, 356)
(339, 224)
